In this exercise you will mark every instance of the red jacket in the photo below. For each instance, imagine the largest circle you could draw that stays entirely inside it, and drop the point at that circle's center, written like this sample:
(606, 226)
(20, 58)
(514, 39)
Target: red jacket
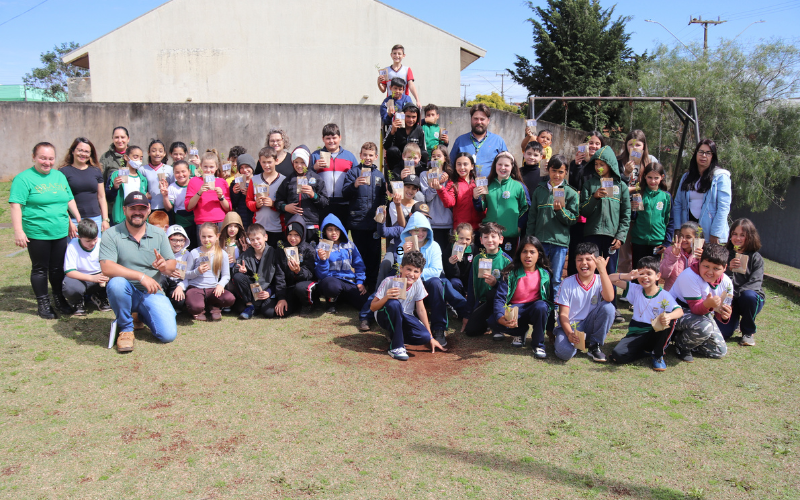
(463, 208)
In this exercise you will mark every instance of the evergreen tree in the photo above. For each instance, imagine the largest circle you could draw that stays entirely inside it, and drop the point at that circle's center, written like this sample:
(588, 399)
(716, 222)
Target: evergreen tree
(52, 77)
(580, 51)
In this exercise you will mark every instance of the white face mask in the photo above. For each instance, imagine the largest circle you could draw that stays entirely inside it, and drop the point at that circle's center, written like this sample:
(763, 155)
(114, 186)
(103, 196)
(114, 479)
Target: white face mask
(135, 164)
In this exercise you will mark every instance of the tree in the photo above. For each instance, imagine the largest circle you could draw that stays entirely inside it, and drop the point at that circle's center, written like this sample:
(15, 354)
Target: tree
(52, 77)
(493, 100)
(580, 51)
(742, 103)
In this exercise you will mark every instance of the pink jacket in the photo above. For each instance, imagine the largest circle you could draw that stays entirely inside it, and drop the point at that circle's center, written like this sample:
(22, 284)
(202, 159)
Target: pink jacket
(672, 266)
(463, 209)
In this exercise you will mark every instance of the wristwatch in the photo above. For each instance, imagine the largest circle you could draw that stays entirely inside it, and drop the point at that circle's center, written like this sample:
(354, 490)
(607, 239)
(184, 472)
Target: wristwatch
(107, 220)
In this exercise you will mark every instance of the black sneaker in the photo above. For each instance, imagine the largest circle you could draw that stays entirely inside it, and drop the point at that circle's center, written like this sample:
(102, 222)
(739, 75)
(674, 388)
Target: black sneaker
(61, 304)
(331, 309)
(439, 336)
(596, 354)
(618, 317)
(683, 355)
(79, 309)
(101, 303)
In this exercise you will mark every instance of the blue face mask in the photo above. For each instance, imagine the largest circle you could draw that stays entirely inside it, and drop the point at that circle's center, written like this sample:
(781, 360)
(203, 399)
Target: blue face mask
(135, 164)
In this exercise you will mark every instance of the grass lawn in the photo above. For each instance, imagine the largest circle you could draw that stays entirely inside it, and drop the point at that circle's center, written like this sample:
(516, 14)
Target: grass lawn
(784, 271)
(302, 408)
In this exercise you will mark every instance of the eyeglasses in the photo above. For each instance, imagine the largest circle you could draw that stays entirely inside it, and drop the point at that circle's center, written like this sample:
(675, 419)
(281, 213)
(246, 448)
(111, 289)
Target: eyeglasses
(704, 153)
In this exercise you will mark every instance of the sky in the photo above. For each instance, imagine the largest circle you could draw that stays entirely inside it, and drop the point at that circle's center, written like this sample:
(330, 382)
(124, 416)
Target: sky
(502, 30)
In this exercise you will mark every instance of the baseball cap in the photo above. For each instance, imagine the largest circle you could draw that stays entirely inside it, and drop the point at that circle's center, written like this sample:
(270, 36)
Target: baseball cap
(411, 179)
(136, 198)
(422, 208)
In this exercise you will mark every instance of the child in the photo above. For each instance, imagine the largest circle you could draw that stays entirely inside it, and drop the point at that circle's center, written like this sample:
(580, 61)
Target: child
(578, 173)
(265, 207)
(340, 270)
(434, 136)
(607, 210)
(441, 217)
(394, 102)
(550, 217)
(748, 296)
(82, 276)
(260, 264)
(133, 183)
(400, 208)
(245, 165)
(680, 256)
(650, 303)
(698, 290)
(544, 138)
(179, 242)
(480, 290)
(457, 195)
(332, 173)
(530, 171)
(366, 194)
(504, 199)
(461, 268)
(584, 304)
(178, 151)
(175, 200)
(159, 219)
(208, 201)
(311, 201)
(397, 315)
(207, 273)
(301, 289)
(156, 187)
(233, 157)
(419, 226)
(397, 70)
(651, 228)
(525, 284)
(401, 137)
(233, 240)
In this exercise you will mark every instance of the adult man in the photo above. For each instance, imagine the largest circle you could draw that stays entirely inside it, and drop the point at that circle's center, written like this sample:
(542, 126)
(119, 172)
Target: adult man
(480, 143)
(132, 254)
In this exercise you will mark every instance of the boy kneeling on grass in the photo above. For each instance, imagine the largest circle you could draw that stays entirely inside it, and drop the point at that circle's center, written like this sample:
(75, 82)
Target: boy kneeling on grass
(585, 305)
(654, 315)
(397, 315)
(701, 290)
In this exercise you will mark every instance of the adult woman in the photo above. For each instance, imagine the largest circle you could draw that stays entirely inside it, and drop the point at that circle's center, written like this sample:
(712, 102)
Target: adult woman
(112, 159)
(85, 180)
(704, 194)
(39, 199)
(279, 141)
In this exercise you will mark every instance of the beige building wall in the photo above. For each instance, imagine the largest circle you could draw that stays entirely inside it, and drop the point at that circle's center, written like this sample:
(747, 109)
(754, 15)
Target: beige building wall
(271, 51)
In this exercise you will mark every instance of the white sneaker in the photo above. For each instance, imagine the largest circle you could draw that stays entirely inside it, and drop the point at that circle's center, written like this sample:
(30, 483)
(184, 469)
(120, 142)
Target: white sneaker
(539, 353)
(499, 336)
(399, 353)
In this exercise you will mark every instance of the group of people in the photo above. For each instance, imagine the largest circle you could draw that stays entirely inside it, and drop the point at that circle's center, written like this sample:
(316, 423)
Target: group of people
(469, 235)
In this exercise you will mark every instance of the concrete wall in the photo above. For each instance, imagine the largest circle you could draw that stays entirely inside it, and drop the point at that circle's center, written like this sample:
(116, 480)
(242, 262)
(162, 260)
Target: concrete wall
(270, 51)
(778, 227)
(80, 89)
(222, 126)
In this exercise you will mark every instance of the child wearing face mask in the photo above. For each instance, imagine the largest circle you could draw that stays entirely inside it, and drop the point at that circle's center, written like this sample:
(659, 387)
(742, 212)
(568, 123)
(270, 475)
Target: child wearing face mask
(124, 181)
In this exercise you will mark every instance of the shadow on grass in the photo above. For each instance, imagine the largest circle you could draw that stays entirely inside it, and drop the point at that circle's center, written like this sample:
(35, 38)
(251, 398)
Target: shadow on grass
(546, 472)
(459, 348)
(18, 299)
(94, 330)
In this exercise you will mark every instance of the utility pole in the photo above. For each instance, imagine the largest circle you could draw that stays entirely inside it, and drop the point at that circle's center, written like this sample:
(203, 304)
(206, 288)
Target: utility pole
(464, 101)
(502, 84)
(699, 20)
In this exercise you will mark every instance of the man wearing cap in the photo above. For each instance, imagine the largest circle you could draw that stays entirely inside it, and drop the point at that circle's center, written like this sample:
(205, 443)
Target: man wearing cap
(479, 142)
(402, 133)
(134, 255)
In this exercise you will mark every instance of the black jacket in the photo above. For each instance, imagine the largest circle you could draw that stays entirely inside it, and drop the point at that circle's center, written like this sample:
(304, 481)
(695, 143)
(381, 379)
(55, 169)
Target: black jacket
(270, 273)
(312, 208)
(364, 200)
(239, 205)
(307, 255)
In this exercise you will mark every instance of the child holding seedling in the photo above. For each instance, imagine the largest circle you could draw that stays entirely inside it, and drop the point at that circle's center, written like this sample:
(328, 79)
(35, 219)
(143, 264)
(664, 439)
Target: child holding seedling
(434, 135)
(684, 253)
(651, 222)
(303, 192)
(746, 270)
(259, 278)
(262, 194)
(482, 284)
(458, 194)
(245, 166)
(208, 196)
(504, 199)
(339, 266)
(125, 181)
(397, 70)
(298, 269)
(207, 273)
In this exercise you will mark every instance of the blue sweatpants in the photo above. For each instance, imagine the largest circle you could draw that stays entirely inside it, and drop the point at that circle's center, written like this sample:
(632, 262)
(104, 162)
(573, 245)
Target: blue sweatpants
(533, 314)
(745, 309)
(596, 326)
(403, 328)
(337, 289)
(440, 293)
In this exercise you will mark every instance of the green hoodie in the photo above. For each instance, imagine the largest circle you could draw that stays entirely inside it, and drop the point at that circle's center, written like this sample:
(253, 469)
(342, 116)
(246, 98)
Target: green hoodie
(505, 203)
(550, 226)
(609, 216)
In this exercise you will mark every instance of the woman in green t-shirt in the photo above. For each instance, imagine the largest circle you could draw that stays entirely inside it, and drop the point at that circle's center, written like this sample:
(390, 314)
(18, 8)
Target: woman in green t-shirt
(40, 197)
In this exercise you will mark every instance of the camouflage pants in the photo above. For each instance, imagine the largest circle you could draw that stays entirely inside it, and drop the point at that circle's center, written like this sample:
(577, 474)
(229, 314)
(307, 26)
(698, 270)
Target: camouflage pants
(699, 334)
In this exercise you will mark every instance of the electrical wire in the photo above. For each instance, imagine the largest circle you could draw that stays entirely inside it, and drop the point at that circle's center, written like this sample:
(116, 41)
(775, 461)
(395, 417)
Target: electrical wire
(18, 15)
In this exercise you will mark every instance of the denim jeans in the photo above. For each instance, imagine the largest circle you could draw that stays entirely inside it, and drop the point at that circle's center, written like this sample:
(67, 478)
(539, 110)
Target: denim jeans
(154, 309)
(557, 255)
(595, 326)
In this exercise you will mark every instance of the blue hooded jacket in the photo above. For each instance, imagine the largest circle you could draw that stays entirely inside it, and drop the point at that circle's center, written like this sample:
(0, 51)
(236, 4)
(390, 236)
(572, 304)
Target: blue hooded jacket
(343, 259)
(430, 250)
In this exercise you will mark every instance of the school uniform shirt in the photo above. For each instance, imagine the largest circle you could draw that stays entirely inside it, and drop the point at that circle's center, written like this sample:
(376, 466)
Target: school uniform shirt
(579, 298)
(207, 279)
(548, 225)
(483, 151)
(477, 289)
(269, 217)
(646, 309)
(177, 196)
(404, 73)
(505, 203)
(413, 293)
(44, 200)
(441, 217)
(653, 225)
(83, 184)
(432, 133)
(79, 259)
(690, 289)
(365, 199)
(151, 173)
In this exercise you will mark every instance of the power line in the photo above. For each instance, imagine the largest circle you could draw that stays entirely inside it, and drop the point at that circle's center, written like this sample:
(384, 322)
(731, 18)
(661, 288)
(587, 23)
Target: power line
(18, 15)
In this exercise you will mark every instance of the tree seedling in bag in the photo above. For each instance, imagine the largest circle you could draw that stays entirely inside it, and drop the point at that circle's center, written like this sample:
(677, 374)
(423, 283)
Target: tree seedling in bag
(262, 191)
(180, 266)
(292, 254)
(226, 169)
(366, 173)
(402, 118)
(458, 251)
(301, 181)
(484, 268)
(325, 156)
(481, 182)
(210, 181)
(256, 287)
(559, 194)
(414, 242)
(657, 325)
(511, 314)
(581, 343)
(637, 205)
(380, 214)
(607, 182)
(399, 283)
(397, 186)
(325, 245)
(123, 174)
